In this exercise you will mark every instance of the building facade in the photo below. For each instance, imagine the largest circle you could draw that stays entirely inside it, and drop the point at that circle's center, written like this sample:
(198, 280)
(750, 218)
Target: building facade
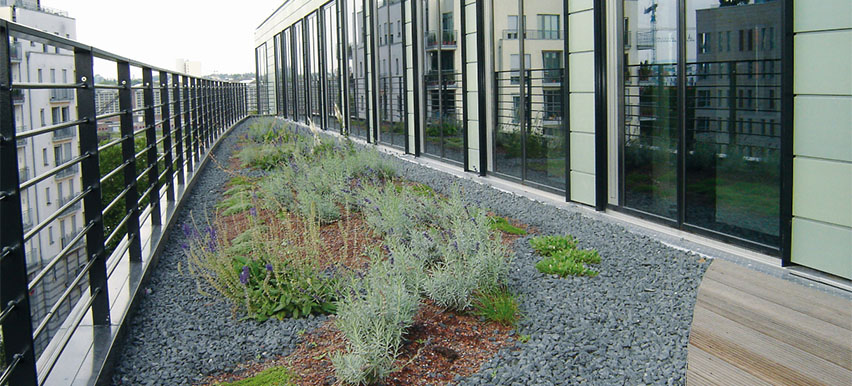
(33, 62)
(730, 119)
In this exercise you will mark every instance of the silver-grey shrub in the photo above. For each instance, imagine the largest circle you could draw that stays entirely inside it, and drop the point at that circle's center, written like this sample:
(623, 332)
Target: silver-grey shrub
(374, 314)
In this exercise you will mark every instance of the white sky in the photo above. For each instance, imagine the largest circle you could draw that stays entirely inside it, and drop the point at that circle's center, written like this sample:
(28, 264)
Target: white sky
(220, 34)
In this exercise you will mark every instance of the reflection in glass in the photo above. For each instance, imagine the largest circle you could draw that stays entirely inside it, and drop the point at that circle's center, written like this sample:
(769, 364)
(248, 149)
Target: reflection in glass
(299, 64)
(287, 67)
(733, 133)
(529, 138)
(650, 106)
(443, 128)
(314, 80)
(331, 66)
(391, 87)
(356, 69)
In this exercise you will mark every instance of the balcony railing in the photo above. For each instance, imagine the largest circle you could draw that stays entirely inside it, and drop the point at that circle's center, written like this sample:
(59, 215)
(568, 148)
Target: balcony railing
(533, 34)
(444, 39)
(24, 174)
(65, 133)
(18, 97)
(62, 95)
(27, 217)
(66, 172)
(197, 112)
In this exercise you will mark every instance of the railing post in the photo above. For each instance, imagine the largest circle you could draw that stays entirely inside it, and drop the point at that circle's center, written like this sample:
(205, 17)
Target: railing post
(128, 157)
(187, 119)
(14, 297)
(151, 136)
(91, 177)
(196, 142)
(166, 113)
(178, 129)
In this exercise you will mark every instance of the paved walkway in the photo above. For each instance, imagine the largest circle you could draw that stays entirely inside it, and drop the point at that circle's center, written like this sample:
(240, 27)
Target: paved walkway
(750, 328)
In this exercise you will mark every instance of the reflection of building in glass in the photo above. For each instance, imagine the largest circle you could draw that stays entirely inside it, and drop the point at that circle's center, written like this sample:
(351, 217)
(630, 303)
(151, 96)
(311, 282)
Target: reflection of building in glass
(737, 79)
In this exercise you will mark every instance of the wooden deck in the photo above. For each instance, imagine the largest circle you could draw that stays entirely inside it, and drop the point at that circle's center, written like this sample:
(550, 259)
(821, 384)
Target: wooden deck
(750, 328)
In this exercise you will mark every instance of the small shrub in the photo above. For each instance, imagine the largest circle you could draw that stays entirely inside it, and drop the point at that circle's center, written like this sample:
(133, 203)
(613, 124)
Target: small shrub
(501, 224)
(274, 376)
(499, 305)
(373, 316)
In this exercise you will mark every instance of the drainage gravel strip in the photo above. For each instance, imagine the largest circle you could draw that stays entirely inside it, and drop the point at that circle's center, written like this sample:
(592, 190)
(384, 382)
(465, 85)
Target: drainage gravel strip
(628, 325)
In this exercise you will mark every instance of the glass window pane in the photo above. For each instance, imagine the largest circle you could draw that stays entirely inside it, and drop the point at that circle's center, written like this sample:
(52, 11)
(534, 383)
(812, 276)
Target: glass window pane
(732, 159)
(650, 108)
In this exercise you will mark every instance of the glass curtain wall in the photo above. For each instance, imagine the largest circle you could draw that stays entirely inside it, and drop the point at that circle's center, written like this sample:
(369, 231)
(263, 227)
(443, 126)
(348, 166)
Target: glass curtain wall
(280, 88)
(331, 66)
(391, 85)
(356, 68)
(443, 124)
(530, 133)
(723, 111)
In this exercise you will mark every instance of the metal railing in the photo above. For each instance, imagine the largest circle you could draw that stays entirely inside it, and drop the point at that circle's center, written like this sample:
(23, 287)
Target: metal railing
(195, 113)
(18, 97)
(533, 34)
(61, 95)
(24, 174)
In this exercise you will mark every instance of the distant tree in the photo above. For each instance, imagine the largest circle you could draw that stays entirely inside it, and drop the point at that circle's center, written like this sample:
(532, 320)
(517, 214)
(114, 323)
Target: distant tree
(110, 158)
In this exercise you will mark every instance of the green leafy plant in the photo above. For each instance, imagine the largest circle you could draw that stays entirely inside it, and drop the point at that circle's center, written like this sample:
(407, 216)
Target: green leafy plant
(499, 305)
(548, 245)
(562, 257)
(274, 376)
(501, 224)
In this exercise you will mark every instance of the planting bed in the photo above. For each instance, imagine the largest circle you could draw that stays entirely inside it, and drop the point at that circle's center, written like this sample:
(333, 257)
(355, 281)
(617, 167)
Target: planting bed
(627, 324)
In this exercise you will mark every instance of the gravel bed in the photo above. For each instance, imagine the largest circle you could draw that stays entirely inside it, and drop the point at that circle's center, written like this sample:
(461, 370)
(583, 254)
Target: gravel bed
(628, 325)
(177, 335)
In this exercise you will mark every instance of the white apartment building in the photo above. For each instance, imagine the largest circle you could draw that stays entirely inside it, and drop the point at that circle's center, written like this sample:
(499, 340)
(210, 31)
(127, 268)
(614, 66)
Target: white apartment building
(37, 63)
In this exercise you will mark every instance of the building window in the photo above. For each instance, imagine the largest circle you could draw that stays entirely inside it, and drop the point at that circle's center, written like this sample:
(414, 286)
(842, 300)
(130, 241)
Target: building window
(548, 26)
(552, 61)
(47, 195)
(703, 43)
(56, 115)
(553, 105)
(50, 234)
(40, 77)
(41, 116)
(512, 27)
(515, 64)
(44, 156)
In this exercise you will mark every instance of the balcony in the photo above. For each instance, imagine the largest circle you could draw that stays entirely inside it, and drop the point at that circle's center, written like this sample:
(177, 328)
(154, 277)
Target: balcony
(15, 52)
(445, 40)
(66, 199)
(67, 172)
(62, 95)
(68, 237)
(18, 97)
(24, 174)
(66, 133)
(533, 34)
(27, 216)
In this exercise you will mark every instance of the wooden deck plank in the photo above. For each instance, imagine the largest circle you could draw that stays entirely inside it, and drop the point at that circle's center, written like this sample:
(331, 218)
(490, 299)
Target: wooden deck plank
(820, 338)
(817, 304)
(706, 369)
(761, 355)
